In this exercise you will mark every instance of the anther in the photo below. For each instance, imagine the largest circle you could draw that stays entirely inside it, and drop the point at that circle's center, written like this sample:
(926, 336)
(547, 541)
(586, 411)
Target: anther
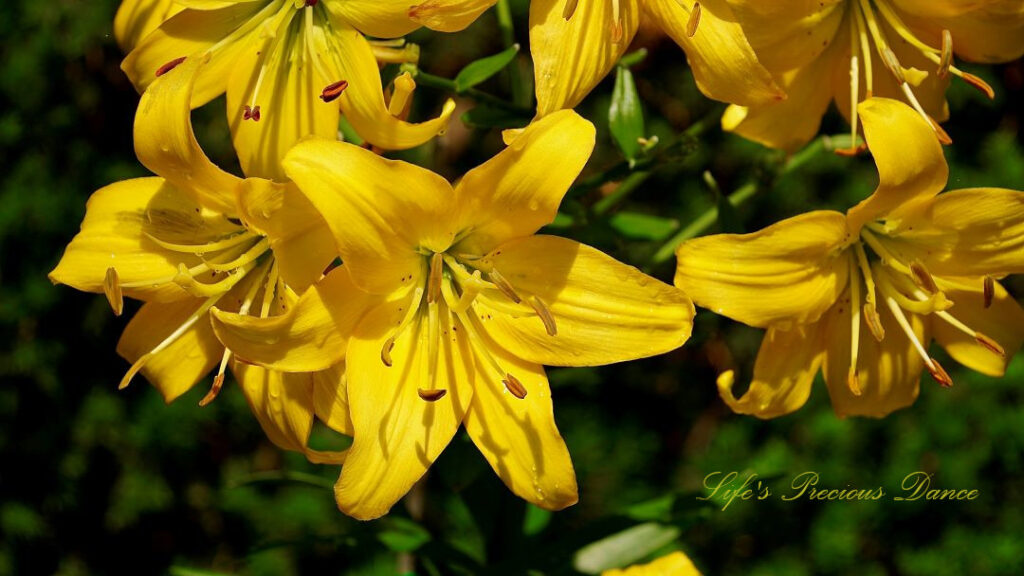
(431, 395)
(569, 9)
(218, 380)
(923, 278)
(251, 113)
(874, 322)
(385, 351)
(112, 288)
(514, 386)
(311, 3)
(979, 84)
(333, 91)
(947, 54)
(503, 285)
(890, 61)
(988, 291)
(694, 21)
(940, 133)
(169, 66)
(135, 368)
(853, 381)
(546, 317)
(434, 281)
(938, 373)
(990, 344)
(218, 383)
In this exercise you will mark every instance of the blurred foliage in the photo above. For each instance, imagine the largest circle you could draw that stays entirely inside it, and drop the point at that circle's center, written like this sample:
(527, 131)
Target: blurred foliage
(96, 481)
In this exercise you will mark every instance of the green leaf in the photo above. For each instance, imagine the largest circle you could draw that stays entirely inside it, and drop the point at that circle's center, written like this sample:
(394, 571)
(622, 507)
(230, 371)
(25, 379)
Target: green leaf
(625, 115)
(626, 547)
(402, 535)
(642, 226)
(485, 116)
(535, 520)
(482, 69)
(728, 220)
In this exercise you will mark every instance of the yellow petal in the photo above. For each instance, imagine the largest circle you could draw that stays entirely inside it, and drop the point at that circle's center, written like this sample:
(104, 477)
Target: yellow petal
(119, 221)
(1002, 321)
(135, 19)
(330, 398)
(302, 242)
(380, 211)
(363, 101)
(603, 311)
(398, 434)
(518, 436)
(283, 405)
(792, 271)
(674, 564)
(166, 144)
(448, 15)
(571, 56)
(786, 366)
(970, 232)
(517, 191)
(888, 372)
(175, 369)
(379, 18)
(310, 336)
(790, 34)
(723, 63)
(911, 167)
(983, 31)
(193, 32)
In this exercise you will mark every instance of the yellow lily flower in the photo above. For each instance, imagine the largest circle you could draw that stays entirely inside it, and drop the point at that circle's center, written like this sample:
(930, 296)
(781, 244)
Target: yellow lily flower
(674, 564)
(849, 50)
(289, 68)
(448, 306)
(861, 295)
(575, 44)
(195, 237)
(135, 19)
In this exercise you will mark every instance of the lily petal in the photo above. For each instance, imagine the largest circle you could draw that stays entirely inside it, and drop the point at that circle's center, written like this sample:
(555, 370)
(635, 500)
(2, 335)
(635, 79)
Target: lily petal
(449, 15)
(983, 31)
(784, 371)
(519, 190)
(571, 56)
(674, 564)
(723, 63)
(518, 436)
(603, 311)
(789, 272)
(911, 167)
(377, 230)
(166, 144)
(1002, 321)
(310, 336)
(378, 18)
(177, 368)
(120, 222)
(283, 405)
(330, 399)
(398, 434)
(789, 34)
(135, 19)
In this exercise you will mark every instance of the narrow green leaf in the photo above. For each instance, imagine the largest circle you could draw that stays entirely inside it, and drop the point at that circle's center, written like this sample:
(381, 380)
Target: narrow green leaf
(624, 548)
(728, 220)
(642, 226)
(402, 535)
(485, 116)
(480, 70)
(535, 520)
(625, 115)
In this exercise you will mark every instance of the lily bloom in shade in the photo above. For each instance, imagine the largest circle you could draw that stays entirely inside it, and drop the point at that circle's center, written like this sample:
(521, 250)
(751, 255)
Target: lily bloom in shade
(848, 50)
(448, 306)
(193, 238)
(674, 564)
(289, 68)
(861, 295)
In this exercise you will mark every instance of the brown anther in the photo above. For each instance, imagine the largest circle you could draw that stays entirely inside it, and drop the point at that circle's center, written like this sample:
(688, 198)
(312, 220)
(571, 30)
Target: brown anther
(853, 381)
(546, 317)
(893, 64)
(385, 351)
(873, 322)
(334, 91)
(218, 383)
(990, 344)
(251, 113)
(947, 54)
(503, 285)
(431, 395)
(434, 280)
(169, 66)
(851, 151)
(569, 9)
(939, 374)
(940, 133)
(988, 291)
(311, 3)
(923, 278)
(979, 84)
(514, 386)
(112, 288)
(694, 21)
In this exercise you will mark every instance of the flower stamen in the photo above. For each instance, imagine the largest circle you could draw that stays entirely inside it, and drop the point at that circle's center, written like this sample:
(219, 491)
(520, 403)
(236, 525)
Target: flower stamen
(988, 291)
(693, 21)
(112, 289)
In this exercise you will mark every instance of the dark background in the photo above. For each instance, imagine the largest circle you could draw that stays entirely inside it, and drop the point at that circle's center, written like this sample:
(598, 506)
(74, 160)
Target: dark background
(95, 481)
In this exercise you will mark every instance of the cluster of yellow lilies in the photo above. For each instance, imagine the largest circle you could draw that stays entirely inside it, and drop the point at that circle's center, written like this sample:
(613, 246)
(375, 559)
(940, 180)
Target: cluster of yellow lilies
(396, 306)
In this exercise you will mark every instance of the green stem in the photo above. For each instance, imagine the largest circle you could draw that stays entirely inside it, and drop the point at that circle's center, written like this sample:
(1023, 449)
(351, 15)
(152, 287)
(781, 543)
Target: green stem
(431, 81)
(508, 38)
(508, 35)
(737, 198)
(623, 190)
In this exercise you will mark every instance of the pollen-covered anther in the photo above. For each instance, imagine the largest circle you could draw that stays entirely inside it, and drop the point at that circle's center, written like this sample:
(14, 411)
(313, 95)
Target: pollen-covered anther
(979, 84)
(431, 395)
(545, 315)
(873, 322)
(988, 291)
(939, 373)
(514, 386)
(946, 60)
(251, 113)
(504, 286)
(385, 351)
(923, 278)
(218, 383)
(569, 9)
(169, 66)
(694, 20)
(112, 288)
(334, 91)
(940, 132)
(990, 344)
